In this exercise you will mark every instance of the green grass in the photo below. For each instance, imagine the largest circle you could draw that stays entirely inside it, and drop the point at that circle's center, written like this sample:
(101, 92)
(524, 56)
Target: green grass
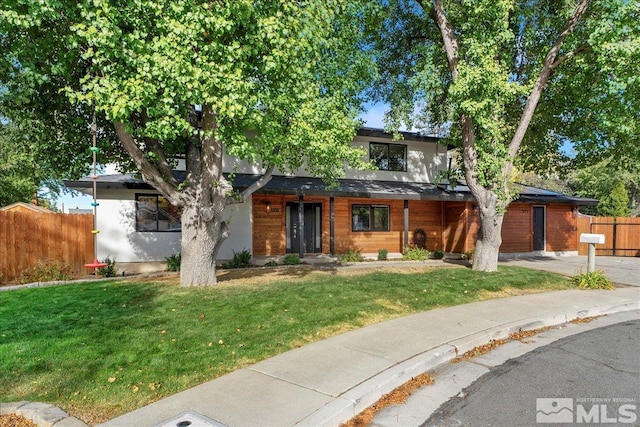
(101, 349)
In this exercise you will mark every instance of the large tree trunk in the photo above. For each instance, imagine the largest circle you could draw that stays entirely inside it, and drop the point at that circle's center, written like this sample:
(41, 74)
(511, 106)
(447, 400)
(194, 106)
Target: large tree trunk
(489, 240)
(203, 231)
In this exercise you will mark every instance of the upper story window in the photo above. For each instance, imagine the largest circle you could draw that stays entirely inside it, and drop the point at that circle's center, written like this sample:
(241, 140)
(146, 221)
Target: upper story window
(370, 218)
(155, 213)
(388, 157)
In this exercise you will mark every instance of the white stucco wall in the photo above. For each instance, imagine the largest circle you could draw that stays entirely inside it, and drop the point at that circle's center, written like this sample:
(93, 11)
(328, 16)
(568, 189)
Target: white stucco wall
(424, 161)
(119, 239)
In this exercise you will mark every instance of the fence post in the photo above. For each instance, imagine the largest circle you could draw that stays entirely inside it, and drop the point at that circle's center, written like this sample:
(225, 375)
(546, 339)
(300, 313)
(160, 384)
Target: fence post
(615, 231)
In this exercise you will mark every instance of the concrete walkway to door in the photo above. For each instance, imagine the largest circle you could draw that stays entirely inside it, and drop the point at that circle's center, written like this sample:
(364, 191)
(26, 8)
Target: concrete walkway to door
(622, 270)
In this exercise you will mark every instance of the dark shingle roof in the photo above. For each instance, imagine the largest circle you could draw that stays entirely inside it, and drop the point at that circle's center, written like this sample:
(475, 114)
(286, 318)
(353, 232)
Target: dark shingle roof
(308, 186)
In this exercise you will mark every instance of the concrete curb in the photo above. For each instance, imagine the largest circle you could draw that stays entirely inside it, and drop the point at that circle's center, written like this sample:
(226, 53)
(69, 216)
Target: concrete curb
(367, 393)
(42, 414)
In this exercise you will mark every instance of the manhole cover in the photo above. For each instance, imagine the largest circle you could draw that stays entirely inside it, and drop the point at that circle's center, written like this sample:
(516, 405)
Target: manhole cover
(190, 419)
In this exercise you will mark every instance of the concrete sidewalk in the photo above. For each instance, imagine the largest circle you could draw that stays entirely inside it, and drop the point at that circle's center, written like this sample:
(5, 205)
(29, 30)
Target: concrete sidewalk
(623, 270)
(330, 381)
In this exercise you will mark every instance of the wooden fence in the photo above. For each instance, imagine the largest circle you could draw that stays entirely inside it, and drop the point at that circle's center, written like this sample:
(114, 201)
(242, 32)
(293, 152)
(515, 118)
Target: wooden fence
(27, 237)
(621, 235)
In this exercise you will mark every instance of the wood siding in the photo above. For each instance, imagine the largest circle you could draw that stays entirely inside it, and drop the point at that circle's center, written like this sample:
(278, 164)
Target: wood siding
(28, 237)
(450, 226)
(369, 241)
(428, 216)
(269, 228)
(562, 229)
(517, 232)
(455, 224)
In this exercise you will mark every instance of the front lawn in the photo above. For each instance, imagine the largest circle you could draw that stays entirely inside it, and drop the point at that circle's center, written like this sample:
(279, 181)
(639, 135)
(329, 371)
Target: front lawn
(104, 348)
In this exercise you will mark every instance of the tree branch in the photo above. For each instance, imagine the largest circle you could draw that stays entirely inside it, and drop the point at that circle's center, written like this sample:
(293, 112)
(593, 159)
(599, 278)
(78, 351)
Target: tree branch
(148, 170)
(541, 82)
(160, 160)
(569, 55)
(448, 36)
(261, 182)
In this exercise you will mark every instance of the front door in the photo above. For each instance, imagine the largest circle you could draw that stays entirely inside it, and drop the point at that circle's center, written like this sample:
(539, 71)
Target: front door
(539, 227)
(312, 219)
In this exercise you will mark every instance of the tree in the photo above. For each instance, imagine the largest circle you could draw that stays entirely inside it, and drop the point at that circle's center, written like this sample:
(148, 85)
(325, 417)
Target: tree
(514, 80)
(616, 202)
(272, 82)
(26, 173)
(598, 181)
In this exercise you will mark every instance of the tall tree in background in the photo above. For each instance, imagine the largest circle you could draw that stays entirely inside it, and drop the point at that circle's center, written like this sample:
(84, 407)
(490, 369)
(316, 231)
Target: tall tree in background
(272, 82)
(604, 179)
(514, 80)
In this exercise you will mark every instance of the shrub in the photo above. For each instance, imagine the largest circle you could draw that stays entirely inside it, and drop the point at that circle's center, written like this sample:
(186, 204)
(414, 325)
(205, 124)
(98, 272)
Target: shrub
(271, 263)
(291, 259)
(468, 255)
(241, 259)
(438, 254)
(46, 271)
(173, 262)
(108, 270)
(593, 280)
(351, 255)
(382, 254)
(415, 254)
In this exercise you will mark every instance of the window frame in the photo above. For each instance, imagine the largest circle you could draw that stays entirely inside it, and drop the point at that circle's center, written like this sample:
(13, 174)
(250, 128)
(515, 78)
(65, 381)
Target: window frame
(157, 216)
(372, 217)
(379, 162)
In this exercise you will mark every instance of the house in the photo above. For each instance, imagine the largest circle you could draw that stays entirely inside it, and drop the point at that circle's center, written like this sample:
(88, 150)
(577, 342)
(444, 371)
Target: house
(391, 208)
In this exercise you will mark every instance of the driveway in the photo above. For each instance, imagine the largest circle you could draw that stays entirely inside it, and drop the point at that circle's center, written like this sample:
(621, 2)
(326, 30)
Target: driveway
(623, 270)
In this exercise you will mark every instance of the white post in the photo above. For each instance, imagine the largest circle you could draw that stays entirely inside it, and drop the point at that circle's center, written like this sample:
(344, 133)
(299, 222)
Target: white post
(592, 240)
(591, 257)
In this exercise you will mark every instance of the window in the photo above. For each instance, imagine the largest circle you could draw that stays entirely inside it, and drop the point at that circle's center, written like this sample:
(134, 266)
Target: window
(155, 213)
(389, 157)
(369, 218)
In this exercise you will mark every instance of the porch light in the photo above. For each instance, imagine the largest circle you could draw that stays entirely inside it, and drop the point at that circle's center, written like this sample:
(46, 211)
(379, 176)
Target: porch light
(267, 206)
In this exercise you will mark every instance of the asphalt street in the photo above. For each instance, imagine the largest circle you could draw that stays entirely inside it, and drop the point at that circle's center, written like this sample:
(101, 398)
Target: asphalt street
(591, 378)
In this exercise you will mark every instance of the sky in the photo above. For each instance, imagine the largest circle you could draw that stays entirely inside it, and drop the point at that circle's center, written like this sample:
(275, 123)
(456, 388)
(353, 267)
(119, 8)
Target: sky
(72, 199)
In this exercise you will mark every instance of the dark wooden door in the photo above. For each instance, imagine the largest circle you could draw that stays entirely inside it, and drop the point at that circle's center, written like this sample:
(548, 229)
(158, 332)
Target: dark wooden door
(539, 226)
(312, 227)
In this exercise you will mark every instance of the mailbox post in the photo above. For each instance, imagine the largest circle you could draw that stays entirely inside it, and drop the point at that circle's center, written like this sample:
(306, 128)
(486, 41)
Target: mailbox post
(592, 240)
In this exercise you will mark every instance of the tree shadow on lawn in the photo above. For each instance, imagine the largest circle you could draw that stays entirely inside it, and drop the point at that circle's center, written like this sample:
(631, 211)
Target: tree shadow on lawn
(271, 274)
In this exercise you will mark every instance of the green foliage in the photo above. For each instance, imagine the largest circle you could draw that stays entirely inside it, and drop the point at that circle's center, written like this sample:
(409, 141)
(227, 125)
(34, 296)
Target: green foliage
(506, 80)
(616, 202)
(351, 255)
(277, 84)
(173, 262)
(46, 271)
(593, 280)
(438, 254)
(597, 182)
(241, 259)
(25, 168)
(415, 254)
(109, 270)
(271, 263)
(291, 259)
(382, 254)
